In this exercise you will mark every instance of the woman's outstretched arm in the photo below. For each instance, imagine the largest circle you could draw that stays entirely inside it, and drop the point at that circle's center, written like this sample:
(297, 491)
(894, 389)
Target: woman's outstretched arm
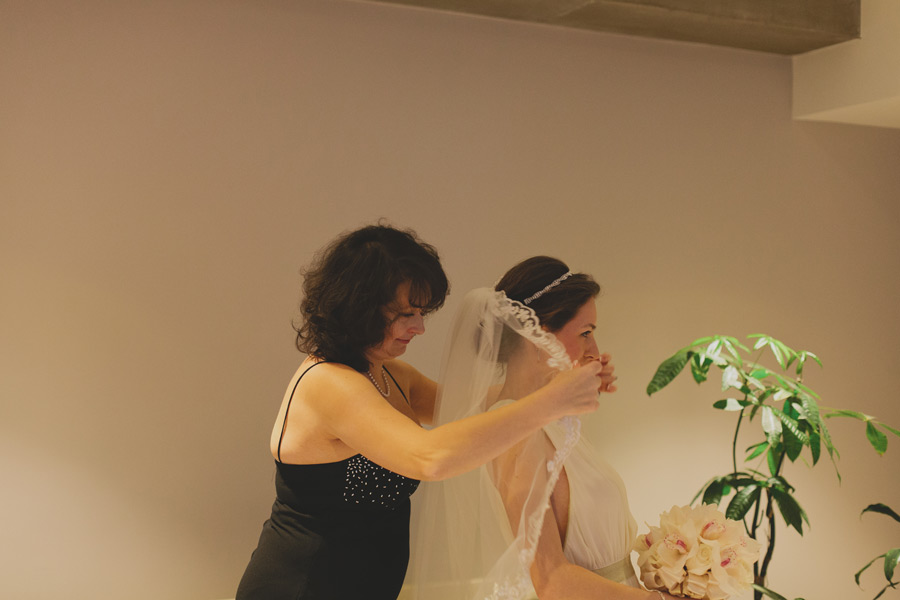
(342, 405)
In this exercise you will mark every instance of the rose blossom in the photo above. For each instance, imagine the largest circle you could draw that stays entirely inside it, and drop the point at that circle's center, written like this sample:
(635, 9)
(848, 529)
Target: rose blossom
(695, 586)
(701, 560)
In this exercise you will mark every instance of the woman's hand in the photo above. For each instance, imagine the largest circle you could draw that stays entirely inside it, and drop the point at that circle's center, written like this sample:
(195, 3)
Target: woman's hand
(575, 391)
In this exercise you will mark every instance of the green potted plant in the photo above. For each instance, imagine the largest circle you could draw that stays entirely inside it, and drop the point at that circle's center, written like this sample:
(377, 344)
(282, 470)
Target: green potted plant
(791, 421)
(891, 557)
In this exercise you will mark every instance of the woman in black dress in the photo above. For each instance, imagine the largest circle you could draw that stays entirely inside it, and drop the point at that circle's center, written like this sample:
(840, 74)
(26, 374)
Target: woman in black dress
(348, 444)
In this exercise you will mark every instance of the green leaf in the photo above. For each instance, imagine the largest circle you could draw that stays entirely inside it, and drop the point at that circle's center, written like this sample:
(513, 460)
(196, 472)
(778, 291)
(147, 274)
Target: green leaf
(768, 592)
(788, 352)
(793, 445)
(792, 408)
(889, 428)
(765, 395)
(739, 480)
(801, 360)
(731, 404)
(881, 508)
(832, 451)
(700, 491)
(770, 422)
(780, 483)
(813, 356)
(759, 373)
(868, 564)
(848, 413)
(735, 342)
(788, 418)
(757, 450)
(807, 390)
(668, 370)
(779, 356)
(701, 341)
(791, 361)
(815, 445)
(730, 344)
(699, 368)
(742, 502)
(761, 340)
(772, 458)
(753, 410)
(783, 382)
(794, 438)
(811, 408)
(890, 563)
(883, 590)
(876, 438)
(714, 492)
(793, 514)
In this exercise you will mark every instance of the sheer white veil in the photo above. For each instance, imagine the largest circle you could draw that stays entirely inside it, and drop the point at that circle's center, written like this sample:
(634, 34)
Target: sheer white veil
(475, 535)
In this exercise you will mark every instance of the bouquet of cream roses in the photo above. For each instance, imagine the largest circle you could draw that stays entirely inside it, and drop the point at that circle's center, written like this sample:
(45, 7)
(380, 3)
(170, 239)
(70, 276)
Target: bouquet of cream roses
(697, 553)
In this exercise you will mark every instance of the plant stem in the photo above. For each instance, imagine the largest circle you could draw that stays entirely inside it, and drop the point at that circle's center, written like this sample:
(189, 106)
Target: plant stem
(770, 515)
(737, 429)
(734, 442)
(755, 525)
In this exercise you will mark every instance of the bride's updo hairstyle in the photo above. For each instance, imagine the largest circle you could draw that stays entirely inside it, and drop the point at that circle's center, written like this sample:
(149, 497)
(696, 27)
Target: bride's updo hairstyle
(556, 302)
(351, 283)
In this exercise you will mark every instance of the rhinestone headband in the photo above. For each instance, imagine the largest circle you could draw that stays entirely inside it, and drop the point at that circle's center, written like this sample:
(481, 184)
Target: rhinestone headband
(547, 288)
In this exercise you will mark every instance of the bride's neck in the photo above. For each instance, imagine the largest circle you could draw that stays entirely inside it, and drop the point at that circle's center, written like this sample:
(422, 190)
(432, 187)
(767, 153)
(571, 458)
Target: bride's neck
(526, 371)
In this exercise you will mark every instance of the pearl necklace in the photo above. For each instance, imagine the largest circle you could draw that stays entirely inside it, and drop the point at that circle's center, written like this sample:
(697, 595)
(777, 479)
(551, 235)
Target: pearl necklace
(387, 385)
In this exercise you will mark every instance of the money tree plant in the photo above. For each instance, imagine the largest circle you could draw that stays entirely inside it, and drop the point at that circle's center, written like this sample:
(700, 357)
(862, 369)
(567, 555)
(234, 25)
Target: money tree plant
(891, 557)
(792, 425)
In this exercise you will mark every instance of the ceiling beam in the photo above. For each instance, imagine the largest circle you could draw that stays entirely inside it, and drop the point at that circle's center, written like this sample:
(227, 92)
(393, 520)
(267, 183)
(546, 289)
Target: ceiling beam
(777, 26)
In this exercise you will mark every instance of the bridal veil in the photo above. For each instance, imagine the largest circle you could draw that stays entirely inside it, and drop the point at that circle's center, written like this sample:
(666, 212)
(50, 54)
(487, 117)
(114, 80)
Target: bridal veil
(475, 535)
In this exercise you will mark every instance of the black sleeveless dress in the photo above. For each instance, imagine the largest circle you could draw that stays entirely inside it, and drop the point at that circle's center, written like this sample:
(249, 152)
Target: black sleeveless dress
(337, 531)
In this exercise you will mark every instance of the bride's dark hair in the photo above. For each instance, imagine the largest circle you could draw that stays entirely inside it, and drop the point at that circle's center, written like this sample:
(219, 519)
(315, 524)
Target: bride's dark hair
(556, 306)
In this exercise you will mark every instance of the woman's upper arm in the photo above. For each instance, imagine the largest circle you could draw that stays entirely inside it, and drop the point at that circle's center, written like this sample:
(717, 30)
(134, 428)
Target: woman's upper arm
(350, 409)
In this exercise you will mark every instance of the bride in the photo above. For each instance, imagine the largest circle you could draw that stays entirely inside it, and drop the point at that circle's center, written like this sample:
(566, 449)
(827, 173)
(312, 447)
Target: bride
(549, 518)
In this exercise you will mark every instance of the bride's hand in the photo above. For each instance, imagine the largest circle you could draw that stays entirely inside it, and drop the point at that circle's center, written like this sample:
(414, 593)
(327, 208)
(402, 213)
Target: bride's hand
(607, 374)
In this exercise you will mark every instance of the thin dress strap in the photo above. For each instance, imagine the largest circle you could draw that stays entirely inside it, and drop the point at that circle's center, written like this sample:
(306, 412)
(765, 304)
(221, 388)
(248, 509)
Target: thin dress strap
(398, 386)
(288, 408)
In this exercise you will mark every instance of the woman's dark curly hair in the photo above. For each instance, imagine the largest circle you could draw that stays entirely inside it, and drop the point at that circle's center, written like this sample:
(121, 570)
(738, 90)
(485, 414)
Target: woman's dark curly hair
(555, 307)
(350, 283)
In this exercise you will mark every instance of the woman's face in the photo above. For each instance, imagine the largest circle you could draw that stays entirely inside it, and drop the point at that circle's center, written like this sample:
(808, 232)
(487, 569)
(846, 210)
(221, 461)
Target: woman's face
(404, 323)
(578, 334)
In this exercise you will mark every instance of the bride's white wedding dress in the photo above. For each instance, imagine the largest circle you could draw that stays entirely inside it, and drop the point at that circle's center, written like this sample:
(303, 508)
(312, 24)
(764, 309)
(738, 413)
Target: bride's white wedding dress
(601, 530)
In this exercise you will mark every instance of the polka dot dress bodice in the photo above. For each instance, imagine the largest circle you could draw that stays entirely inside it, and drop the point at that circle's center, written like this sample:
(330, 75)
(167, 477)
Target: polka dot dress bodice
(352, 484)
(368, 484)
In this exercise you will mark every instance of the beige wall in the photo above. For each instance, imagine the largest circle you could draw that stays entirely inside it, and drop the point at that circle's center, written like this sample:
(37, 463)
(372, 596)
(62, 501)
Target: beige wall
(167, 167)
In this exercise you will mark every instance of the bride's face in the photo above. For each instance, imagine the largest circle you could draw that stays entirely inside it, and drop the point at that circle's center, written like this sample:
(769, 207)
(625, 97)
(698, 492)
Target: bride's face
(578, 334)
